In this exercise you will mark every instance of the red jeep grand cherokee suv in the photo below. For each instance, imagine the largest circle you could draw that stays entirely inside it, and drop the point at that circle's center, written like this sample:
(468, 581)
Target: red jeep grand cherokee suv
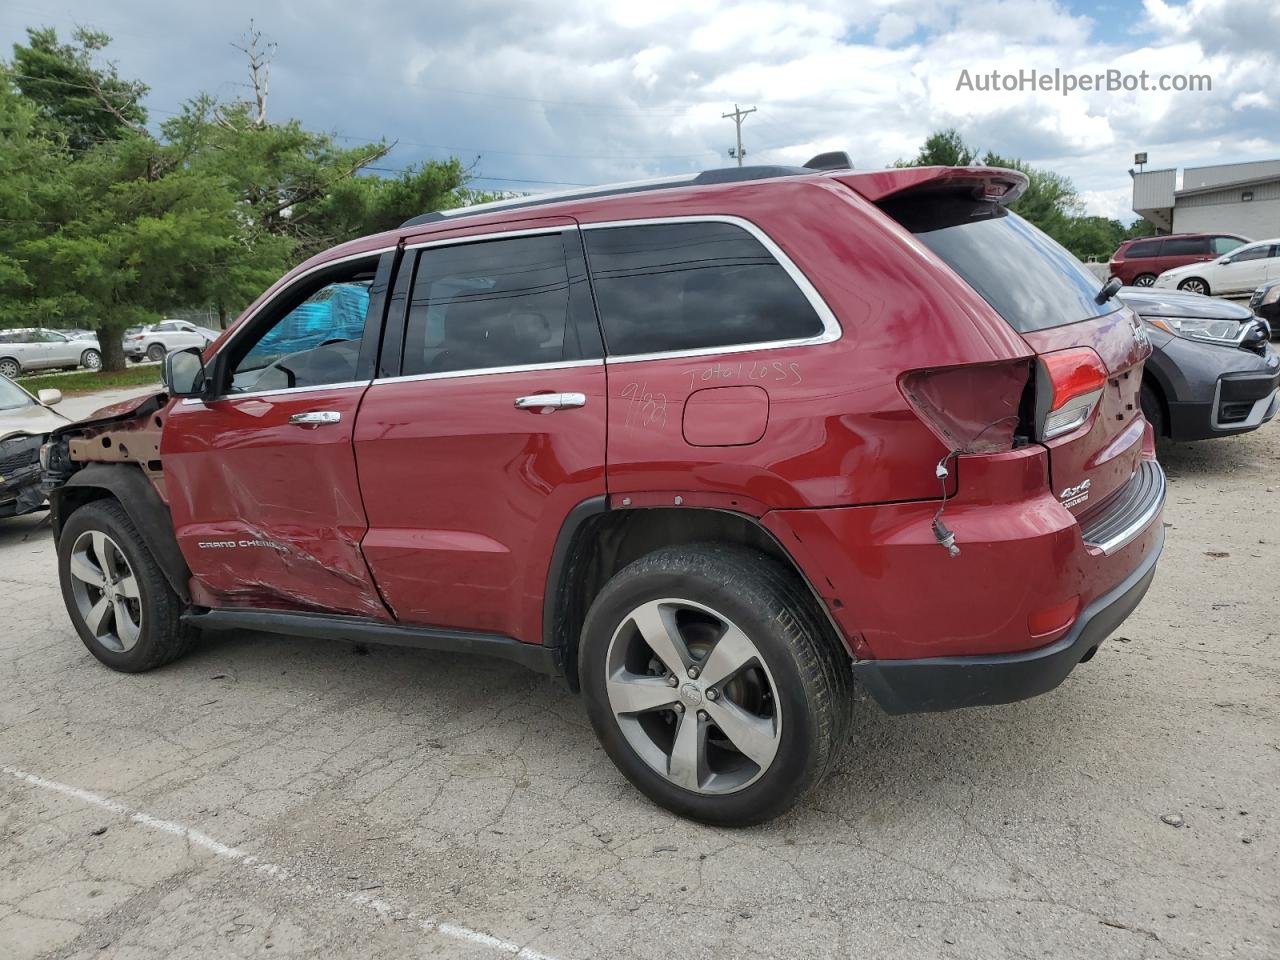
(710, 449)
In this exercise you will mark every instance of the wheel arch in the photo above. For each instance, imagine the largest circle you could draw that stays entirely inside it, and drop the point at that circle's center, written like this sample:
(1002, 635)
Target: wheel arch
(1153, 378)
(595, 542)
(4, 357)
(129, 486)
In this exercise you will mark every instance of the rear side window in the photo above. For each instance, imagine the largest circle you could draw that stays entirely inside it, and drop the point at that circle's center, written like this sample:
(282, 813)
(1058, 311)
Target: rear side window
(496, 303)
(1223, 245)
(664, 287)
(1026, 276)
(1186, 246)
(1261, 252)
(1143, 248)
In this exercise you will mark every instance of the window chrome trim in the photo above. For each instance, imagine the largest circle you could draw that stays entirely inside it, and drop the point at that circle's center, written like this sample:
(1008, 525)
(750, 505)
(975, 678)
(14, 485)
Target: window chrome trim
(831, 330)
(314, 388)
(494, 235)
(484, 371)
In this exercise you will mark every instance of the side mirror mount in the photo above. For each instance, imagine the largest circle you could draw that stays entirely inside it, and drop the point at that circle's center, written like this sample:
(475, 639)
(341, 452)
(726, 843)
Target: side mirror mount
(49, 397)
(184, 373)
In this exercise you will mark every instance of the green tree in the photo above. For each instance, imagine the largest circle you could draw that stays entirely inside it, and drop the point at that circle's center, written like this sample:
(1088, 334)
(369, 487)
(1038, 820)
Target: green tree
(84, 102)
(942, 148)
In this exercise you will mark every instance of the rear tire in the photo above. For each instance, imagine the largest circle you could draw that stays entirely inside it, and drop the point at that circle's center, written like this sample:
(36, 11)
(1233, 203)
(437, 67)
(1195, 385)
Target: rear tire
(120, 603)
(1144, 280)
(10, 367)
(155, 353)
(1194, 285)
(757, 711)
(91, 360)
(1153, 410)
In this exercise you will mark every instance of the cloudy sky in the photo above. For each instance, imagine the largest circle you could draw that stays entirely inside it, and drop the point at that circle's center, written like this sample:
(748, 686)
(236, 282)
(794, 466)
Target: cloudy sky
(540, 93)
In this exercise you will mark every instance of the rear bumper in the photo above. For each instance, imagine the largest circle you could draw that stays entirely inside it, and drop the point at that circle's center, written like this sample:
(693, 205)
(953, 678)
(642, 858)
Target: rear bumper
(949, 683)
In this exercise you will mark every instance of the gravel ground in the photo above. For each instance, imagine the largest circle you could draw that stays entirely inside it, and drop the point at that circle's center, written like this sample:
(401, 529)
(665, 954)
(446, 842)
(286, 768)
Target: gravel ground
(276, 797)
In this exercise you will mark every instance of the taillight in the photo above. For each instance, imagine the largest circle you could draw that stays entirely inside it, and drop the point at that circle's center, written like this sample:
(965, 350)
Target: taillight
(974, 408)
(1068, 390)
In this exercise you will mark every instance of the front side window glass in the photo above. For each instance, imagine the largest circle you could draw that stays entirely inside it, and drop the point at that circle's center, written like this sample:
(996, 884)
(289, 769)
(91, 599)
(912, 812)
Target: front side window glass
(490, 304)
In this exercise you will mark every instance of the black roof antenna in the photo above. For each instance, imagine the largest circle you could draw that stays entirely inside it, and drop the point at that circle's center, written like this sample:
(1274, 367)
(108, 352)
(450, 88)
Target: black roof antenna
(834, 160)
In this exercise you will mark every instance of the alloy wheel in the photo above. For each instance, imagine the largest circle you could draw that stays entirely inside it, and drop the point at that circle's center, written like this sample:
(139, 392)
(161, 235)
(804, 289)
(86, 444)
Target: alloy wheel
(1194, 286)
(92, 360)
(1145, 280)
(106, 591)
(693, 697)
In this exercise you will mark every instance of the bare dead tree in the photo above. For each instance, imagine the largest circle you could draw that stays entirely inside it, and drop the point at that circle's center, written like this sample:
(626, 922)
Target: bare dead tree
(259, 52)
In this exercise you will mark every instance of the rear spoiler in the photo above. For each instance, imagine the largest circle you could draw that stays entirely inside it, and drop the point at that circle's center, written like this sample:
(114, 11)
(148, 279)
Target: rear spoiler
(985, 183)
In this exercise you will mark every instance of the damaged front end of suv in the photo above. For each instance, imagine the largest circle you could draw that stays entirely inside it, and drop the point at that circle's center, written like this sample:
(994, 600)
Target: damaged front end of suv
(115, 454)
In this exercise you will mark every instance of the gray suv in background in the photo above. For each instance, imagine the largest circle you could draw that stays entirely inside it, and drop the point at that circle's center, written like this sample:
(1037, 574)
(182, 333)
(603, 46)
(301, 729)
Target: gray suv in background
(1211, 372)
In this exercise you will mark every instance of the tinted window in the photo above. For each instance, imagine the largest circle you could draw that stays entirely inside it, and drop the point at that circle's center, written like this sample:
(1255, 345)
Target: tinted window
(1030, 280)
(314, 342)
(1223, 245)
(685, 286)
(498, 303)
(1143, 248)
(1185, 246)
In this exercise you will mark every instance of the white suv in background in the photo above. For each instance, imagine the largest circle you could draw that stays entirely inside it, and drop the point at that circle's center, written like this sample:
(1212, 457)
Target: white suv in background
(153, 342)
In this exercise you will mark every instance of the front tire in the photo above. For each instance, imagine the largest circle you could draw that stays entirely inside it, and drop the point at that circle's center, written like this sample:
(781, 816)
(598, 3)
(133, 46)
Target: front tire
(713, 682)
(1194, 285)
(120, 603)
(91, 360)
(1153, 410)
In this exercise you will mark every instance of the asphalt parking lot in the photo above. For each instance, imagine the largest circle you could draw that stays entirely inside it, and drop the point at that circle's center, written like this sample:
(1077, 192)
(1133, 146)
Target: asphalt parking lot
(276, 797)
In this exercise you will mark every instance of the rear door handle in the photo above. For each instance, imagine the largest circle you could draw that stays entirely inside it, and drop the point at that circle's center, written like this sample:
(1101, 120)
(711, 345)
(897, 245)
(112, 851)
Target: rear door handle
(551, 401)
(314, 418)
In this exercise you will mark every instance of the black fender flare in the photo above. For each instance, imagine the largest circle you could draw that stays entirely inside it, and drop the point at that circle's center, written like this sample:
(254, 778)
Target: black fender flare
(140, 500)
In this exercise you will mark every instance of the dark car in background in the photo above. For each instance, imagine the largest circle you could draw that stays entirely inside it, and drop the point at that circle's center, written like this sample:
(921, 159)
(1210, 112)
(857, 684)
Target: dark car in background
(1266, 304)
(1212, 372)
(1138, 262)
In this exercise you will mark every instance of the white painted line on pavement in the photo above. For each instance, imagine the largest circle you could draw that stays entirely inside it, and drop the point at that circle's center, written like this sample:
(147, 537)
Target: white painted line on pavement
(198, 839)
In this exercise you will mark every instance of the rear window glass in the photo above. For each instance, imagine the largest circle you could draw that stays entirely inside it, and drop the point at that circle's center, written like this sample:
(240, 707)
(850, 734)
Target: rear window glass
(1145, 248)
(689, 286)
(1030, 279)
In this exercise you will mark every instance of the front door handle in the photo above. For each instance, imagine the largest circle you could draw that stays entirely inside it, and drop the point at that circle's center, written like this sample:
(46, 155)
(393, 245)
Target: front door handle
(546, 402)
(314, 418)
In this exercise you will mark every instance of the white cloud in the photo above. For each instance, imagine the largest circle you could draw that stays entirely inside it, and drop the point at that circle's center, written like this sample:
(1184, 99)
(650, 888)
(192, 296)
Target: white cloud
(597, 90)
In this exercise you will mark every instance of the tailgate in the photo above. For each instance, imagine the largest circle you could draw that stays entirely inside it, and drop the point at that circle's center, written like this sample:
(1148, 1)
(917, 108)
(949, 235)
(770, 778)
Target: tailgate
(1092, 462)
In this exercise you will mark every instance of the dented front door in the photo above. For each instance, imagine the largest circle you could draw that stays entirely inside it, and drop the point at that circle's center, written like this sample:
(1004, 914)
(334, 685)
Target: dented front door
(265, 500)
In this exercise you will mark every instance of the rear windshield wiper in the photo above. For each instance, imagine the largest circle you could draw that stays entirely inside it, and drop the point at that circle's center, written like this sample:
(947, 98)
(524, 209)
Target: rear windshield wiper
(1109, 290)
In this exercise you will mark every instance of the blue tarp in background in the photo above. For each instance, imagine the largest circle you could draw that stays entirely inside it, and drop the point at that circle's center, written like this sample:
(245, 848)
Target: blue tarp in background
(338, 316)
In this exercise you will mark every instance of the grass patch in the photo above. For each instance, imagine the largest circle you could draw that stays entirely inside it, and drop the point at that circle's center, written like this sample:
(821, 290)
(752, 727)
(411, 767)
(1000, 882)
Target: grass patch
(89, 381)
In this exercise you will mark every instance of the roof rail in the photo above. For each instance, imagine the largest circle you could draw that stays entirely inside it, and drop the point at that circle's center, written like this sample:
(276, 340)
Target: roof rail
(828, 161)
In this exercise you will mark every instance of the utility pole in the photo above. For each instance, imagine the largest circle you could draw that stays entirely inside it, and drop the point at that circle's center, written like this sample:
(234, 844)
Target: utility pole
(738, 116)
